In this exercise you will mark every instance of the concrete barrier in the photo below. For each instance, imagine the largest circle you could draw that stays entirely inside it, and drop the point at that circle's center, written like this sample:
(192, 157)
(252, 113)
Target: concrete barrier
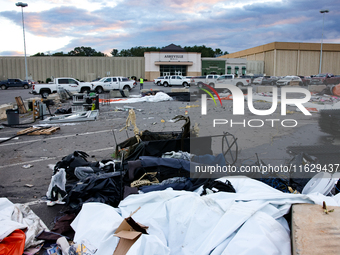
(313, 231)
(264, 89)
(316, 88)
(116, 93)
(180, 90)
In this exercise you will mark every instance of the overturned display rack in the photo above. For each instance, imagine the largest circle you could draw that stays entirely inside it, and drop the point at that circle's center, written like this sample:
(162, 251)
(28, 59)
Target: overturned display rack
(158, 143)
(75, 117)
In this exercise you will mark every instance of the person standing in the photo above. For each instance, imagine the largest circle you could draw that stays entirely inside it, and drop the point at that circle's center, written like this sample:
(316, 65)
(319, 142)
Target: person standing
(141, 83)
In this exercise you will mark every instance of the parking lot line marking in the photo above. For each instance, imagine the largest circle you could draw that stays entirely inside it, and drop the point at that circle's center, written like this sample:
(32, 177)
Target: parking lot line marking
(49, 158)
(28, 162)
(57, 137)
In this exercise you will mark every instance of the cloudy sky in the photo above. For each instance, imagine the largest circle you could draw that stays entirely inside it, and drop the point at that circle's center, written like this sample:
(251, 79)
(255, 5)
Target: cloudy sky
(231, 25)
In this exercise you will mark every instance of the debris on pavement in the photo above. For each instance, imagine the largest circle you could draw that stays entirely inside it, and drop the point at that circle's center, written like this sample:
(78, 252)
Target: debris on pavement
(151, 176)
(38, 131)
(76, 117)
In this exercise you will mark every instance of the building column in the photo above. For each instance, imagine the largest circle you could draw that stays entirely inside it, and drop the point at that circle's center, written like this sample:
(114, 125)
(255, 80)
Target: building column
(298, 63)
(274, 63)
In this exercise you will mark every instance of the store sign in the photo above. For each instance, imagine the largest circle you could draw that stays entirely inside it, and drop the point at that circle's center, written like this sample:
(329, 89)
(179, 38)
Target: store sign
(173, 57)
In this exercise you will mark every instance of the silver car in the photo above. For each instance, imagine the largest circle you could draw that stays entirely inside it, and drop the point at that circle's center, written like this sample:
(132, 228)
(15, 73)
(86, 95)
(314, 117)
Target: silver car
(287, 80)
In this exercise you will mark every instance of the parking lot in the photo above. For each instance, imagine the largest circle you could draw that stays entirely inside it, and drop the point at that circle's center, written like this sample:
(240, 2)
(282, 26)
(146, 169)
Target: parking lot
(26, 163)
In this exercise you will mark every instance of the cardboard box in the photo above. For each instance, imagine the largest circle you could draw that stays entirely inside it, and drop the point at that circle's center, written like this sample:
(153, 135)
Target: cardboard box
(128, 231)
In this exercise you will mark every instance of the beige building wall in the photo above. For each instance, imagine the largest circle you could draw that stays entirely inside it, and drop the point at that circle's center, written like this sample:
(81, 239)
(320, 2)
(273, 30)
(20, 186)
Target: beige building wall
(82, 68)
(154, 59)
(287, 58)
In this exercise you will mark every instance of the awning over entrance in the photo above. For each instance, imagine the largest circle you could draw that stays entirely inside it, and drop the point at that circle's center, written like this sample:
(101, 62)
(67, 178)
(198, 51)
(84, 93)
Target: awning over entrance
(172, 63)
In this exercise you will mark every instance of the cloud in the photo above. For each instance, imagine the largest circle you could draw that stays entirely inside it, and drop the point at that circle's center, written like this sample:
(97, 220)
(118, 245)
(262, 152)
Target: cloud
(11, 53)
(230, 25)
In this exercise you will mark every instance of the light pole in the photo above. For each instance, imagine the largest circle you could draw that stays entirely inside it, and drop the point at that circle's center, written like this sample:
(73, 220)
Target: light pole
(323, 21)
(22, 5)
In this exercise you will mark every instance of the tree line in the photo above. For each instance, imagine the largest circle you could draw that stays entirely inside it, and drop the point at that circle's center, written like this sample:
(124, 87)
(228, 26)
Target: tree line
(134, 52)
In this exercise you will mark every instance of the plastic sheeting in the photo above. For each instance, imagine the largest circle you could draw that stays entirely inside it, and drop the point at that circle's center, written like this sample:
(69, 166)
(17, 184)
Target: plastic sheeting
(249, 221)
(20, 216)
(159, 97)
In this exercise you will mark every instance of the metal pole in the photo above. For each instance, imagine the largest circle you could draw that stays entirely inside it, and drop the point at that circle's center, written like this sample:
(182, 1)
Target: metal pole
(23, 29)
(323, 21)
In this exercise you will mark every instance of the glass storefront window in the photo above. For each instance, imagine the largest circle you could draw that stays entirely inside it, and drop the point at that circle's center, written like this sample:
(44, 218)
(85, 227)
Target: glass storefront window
(173, 70)
(236, 69)
(229, 70)
(243, 70)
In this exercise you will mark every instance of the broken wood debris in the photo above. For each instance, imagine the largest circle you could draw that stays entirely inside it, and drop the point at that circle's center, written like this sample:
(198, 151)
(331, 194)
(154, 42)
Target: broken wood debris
(38, 131)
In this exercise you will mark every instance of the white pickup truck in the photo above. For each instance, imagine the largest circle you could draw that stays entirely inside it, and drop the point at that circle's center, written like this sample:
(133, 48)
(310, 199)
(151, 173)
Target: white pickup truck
(73, 85)
(230, 79)
(173, 80)
(110, 83)
(66, 83)
(200, 80)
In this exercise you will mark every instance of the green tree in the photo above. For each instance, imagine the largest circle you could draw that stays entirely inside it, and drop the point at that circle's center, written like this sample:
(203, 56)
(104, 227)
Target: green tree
(85, 51)
(205, 51)
(125, 53)
(114, 53)
(59, 54)
(218, 52)
(39, 54)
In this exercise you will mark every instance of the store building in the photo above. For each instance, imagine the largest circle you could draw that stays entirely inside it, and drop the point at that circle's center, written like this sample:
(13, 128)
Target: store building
(172, 60)
(287, 58)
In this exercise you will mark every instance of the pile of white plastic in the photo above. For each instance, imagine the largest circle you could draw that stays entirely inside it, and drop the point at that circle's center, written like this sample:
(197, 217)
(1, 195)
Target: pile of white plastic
(159, 97)
(249, 221)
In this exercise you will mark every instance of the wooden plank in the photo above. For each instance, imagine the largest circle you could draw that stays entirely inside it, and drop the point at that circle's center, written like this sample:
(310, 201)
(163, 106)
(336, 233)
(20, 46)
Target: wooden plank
(21, 105)
(47, 131)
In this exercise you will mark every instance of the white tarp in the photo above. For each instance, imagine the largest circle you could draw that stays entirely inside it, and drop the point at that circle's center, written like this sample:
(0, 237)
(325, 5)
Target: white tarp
(159, 97)
(20, 216)
(249, 221)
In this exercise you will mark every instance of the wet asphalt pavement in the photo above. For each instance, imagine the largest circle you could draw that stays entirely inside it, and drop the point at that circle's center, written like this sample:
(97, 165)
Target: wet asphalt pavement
(41, 153)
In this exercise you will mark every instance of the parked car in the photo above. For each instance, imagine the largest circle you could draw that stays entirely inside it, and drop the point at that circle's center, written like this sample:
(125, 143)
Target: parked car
(230, 79)
(31, 82)
(305, 80)
(210, 79)
(258, 80)
(270, 80)
(110, 83)
(325, 79)
(174, 80)
(11, 83)
(288, 79)
(158, 81)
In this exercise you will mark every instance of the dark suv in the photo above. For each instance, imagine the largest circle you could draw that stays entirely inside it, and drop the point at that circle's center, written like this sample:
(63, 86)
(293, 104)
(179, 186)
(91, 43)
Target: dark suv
(14, 83)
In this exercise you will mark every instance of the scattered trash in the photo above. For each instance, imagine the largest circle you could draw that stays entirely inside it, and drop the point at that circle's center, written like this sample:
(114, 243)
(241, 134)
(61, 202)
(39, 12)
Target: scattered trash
(189, 106)
(27, 166)
(128, 231)
(324, 207)
(80, 116)
(322, 183)
(63, 111)
(162, 120)
(29, 185)
(38, 131)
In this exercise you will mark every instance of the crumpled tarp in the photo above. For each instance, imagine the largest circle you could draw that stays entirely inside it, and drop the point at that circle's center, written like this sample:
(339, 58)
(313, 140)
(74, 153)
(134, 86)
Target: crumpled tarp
(159, 97)
(249, 221)
(20, 216)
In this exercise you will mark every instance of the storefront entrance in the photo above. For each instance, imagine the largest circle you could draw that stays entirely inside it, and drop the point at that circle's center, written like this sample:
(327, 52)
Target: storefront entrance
(166, 70)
